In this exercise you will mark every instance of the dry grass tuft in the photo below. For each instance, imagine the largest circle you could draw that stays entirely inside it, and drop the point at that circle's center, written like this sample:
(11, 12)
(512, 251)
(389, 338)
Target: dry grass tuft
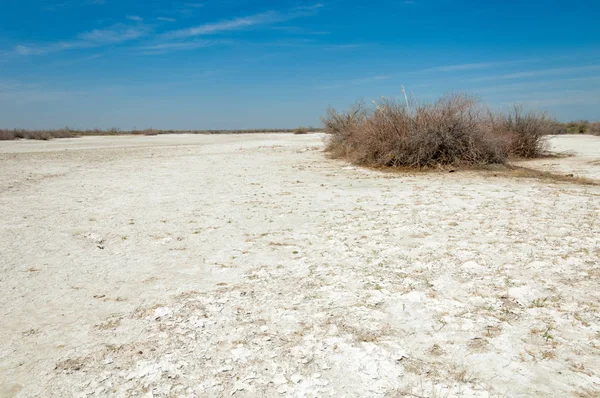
(454, 131)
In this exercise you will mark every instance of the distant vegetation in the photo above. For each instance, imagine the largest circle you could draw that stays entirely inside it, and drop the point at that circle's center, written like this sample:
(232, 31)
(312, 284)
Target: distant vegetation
(14, 134)
(580, 127)
(455, 130)
(303, 130)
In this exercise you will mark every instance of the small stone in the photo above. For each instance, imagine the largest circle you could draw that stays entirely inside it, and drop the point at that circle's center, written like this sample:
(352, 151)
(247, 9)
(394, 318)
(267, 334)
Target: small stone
(296, 378)
(282, 389)
(227, 368)
(238, 386)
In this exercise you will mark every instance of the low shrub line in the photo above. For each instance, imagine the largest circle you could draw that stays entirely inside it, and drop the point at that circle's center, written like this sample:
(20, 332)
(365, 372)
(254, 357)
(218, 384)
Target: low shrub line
(15, 134)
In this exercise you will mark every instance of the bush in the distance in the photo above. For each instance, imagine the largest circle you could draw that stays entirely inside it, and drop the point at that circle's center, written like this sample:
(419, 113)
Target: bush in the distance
(36, 134)
(301, 130)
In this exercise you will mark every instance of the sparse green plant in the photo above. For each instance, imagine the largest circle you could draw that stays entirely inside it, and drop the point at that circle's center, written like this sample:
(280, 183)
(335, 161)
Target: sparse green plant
(546, 335)
(539, 302)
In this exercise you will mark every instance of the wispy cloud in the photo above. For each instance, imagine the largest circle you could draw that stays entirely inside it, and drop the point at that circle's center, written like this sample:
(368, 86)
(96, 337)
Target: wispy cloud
(71, 3)
(20, 92)
(96, 38)
(298, 30)
(193, 5)
(56, 6)
(538, 73)
(169, 41)
(190, 8)
(473, 66)
(163, 48)
(265, 18)
(572, 97)
(234, 24)
(553, 84)
(454, 68)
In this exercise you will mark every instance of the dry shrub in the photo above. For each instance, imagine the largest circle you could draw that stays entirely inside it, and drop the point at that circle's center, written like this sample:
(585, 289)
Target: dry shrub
(150, 132)
(448, 132)
(455, 130)
(527, 131)
(6, 135)
(35, 134)
(341, 126)
(594, 128)
(301, 130)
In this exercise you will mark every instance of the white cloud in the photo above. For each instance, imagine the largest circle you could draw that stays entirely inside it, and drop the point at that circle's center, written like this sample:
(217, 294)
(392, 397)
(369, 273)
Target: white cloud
(572, 97)
(96, 38)
(123, 33)
(165, 19)
(234, 24)
(264, 18)
(537, 73)
(555, 84)
(473, 66)
(163, 48)
(193, 5)
(27, 92)
(453, 68)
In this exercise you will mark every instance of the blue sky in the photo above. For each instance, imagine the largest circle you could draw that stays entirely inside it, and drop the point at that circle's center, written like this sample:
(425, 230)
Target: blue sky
(253, 64)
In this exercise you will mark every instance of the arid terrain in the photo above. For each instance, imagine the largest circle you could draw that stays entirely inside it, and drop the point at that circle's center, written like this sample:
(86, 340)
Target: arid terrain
(253, 265)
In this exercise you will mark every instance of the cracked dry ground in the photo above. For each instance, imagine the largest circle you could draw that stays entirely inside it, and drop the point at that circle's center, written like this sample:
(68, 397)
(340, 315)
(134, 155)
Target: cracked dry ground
(255, 266)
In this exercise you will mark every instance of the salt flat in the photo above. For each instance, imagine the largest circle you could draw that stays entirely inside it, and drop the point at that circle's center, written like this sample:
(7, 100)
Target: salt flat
(580, 155)
(252, 265)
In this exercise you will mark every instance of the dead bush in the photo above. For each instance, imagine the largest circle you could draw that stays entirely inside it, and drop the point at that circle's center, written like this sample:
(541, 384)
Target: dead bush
(455, 130)
(341, 126)
(527, 131)
(6, 135)
(36, 134)
(301, 130)
(452, 131)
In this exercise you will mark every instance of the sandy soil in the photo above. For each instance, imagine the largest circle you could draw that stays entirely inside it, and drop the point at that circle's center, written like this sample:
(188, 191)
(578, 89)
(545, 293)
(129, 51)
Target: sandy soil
(255, 266)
